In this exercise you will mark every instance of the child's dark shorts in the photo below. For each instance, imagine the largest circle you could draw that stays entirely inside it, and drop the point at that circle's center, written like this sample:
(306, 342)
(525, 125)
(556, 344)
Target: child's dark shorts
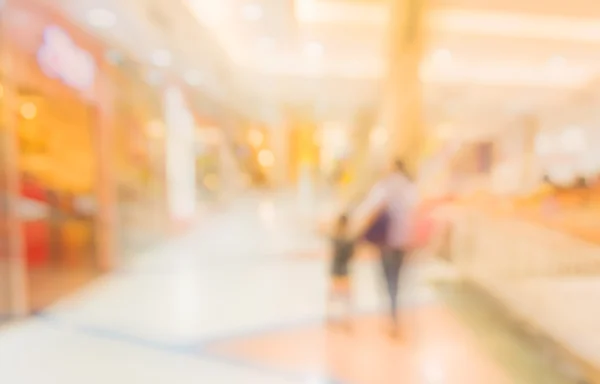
(343, 251)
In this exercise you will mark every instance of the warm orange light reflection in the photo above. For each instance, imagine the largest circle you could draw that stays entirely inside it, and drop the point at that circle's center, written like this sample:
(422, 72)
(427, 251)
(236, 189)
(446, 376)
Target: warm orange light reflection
(266, 158)
(28, 111)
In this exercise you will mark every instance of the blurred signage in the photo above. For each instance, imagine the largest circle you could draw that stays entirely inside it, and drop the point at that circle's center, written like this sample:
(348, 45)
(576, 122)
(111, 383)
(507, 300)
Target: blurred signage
(60, 58)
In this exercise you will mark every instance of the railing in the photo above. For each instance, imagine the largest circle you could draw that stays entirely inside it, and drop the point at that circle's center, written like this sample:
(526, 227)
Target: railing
(546, 279)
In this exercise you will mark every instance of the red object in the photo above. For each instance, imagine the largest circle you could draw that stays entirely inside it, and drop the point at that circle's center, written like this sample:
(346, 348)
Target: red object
(36, 233)
(32, 191)
(36, 238)
(423, 225)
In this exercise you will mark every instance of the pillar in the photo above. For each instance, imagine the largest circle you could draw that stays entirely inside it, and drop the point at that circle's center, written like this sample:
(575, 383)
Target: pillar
(402, 110)
(12, 259)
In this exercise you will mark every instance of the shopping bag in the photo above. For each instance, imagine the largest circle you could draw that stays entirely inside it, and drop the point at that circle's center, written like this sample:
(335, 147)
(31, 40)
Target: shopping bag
(377, 232)
(422, 227)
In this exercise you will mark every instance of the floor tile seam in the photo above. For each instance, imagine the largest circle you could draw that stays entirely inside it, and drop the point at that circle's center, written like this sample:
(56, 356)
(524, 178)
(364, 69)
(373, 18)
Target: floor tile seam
(196, 350)
(57, 320)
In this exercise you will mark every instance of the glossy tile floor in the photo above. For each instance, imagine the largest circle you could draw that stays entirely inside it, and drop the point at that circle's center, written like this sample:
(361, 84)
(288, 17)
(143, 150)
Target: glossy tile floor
(238, 301)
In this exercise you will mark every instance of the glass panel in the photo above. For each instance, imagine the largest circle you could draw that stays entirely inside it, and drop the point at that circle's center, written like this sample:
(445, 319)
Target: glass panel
(138, 162)
(57, 161)
(4, 238)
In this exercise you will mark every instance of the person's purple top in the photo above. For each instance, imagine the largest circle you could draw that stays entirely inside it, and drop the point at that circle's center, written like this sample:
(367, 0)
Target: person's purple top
(398, 195)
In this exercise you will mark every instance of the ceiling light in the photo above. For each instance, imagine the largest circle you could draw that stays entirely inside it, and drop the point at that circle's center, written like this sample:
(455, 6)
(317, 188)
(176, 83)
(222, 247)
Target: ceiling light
(193, 78)
(252, 12)
(161, 58)
(313, 49)
(101, 18)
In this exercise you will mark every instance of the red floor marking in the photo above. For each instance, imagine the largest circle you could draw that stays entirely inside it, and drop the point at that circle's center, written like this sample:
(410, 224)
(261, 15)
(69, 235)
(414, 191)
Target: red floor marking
(436, 349)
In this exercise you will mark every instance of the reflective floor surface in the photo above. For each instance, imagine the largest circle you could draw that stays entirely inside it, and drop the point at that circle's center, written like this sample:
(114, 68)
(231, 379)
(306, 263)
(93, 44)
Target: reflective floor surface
(242, 299)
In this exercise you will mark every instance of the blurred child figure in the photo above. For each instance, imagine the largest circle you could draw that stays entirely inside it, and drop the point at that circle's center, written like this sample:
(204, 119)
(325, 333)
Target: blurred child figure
(340, 290)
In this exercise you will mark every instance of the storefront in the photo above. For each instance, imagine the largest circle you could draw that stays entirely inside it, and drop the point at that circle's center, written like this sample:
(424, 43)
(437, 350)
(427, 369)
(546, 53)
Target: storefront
(261, 158)
(54, 110)
(6, 237)
(470, 169)
(209, 147)
(138, 152)
(335, 148)
(568, 154)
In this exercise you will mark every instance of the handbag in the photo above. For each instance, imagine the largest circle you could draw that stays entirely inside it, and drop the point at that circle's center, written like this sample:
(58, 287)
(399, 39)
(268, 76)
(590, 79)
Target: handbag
(377, 232)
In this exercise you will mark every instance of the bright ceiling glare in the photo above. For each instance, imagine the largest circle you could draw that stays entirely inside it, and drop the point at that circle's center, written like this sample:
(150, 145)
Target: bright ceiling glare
(101, 18)
(161, 58)
(314, 49)
(252, 12)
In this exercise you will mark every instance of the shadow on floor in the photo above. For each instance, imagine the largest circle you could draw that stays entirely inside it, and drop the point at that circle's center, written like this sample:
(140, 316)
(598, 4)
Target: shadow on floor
(527, 358)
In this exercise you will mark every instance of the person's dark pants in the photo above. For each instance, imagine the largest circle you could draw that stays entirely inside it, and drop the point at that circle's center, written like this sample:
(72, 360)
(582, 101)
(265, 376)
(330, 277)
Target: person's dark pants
(391, 261)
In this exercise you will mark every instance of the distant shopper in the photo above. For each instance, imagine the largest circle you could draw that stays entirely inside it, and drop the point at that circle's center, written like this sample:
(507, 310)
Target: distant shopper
(340, 289)
(546, 196)
(387, 215)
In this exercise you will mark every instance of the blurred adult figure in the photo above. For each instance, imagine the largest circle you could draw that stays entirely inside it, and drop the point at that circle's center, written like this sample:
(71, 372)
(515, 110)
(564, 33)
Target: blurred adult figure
(385, 217)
